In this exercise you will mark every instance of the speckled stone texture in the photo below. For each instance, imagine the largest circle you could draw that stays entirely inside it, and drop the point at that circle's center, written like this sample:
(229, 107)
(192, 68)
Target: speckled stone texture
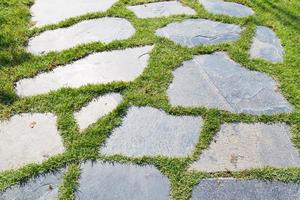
(103, 30)
(194, 32)
(121, 182)
(243, 146)
(147, 131)
(216, 81)
(98, 68)
(266, 45)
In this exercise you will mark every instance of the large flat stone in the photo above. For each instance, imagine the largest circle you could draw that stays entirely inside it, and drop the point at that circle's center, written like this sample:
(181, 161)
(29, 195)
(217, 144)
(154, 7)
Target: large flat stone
(121, 182)
(194, 32)
(28, 138)
(49, 12)
(216, 81)
(160, 9)
(243, 146)
(266, 45)
(98, 68)
(146, 131)
(233, 189)
(103, 30)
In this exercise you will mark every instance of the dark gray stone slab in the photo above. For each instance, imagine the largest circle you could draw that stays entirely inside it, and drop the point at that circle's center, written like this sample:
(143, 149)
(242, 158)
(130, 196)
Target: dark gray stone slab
(146, 131)
(233, 189)
(216, 81)
(193, 32)
(121, 182)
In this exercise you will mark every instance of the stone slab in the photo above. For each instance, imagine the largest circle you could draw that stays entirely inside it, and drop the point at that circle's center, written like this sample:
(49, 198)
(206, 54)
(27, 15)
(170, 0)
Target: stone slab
(216, 81)
(243, 146)
(121, 182)
(98, 68)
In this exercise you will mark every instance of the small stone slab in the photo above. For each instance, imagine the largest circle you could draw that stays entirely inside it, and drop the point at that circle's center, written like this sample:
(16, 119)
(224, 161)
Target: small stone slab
(98, 68)
(194, 32)
(160, 9)
(104, 30)
(147, 131)
(234, 189)
(121, 182)
(96, 109)
(220, 7)
(241, 146)
(216, 81)
(266, 45)
(49, 12)
(24, 140)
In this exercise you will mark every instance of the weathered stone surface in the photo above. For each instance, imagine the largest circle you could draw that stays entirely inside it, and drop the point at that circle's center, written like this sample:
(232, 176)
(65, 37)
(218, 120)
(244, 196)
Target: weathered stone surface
(28, 138)
(226, 8)
(146, 131)
(48, 12)
(103, 30)
(193, 32)
(233, 189)
(98, 68)
(121, 182)
(266, 45)
(216, 81)
(160, 9)
(96, 109)
(243, 146)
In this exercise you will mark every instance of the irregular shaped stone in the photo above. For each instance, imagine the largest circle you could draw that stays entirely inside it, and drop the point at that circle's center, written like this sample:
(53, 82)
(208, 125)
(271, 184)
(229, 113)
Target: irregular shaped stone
(216, 81)
(24, 140)
(233, 189)
(194, 32)
(96, 109)
(226, 8)
(61, 10)
(147, 131)
(266, 45)
(243, 146)
(160, 9)
(121, 182)
(103, 30)
(98, 68)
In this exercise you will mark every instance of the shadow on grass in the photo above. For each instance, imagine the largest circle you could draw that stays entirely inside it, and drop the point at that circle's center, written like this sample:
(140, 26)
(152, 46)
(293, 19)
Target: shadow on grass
(7, 98)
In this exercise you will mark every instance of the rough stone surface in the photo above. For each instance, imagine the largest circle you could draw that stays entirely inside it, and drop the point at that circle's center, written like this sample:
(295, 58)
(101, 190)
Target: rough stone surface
(96, 109)
(121, 182)
(216, 81)
(243, 146)
(226, 8)
(103, 30)
(61, 10)
(161, 9)
(28, 138)
(193, 32)
(98, 68)
(233, 189)
(146, 131)
(266, 45)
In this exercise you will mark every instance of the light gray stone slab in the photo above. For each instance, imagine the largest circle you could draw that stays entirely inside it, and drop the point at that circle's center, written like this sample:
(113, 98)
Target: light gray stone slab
(147, 131)
(160, 9)
(49, 12)
(226, 8)
(194, 32)
(97, 68)
(96, 109)
(121, 182)
(106, 29)
(28, 138)
(234, 189)
(266, 45)
(216, 81)
(243, 146)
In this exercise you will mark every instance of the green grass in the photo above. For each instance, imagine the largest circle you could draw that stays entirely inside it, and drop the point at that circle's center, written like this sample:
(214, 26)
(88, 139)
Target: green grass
(149, 89)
